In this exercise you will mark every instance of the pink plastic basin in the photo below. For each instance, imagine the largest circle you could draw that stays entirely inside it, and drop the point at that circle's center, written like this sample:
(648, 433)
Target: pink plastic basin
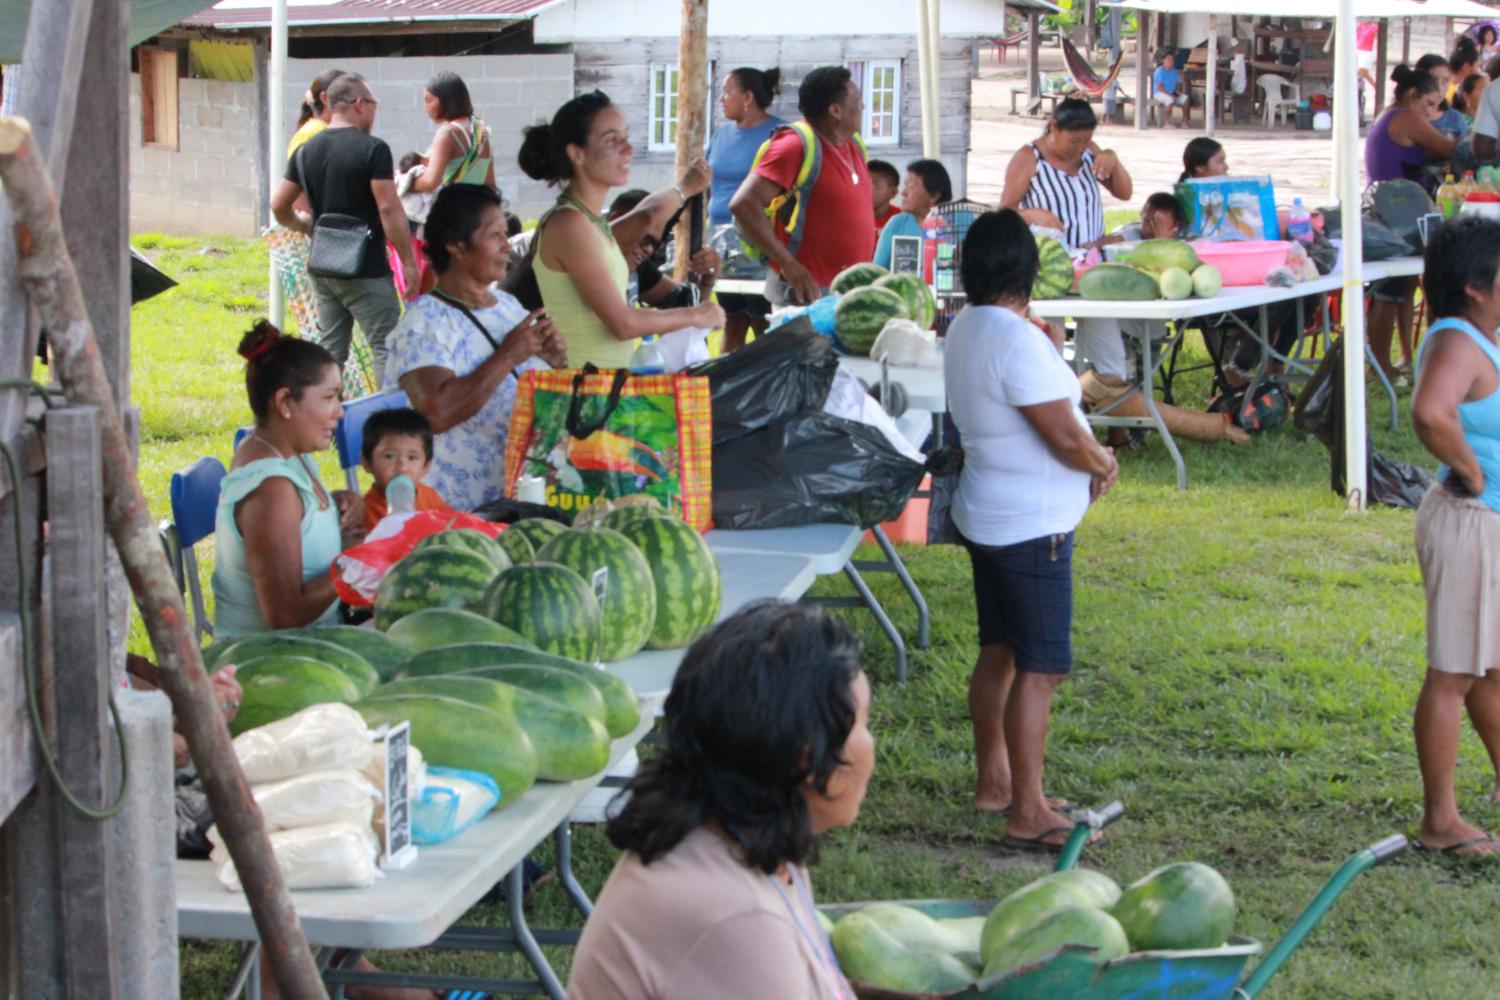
(1246, 262)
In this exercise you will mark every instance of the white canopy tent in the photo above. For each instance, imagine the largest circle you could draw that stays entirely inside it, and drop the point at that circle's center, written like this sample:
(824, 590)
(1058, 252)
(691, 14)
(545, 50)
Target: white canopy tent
(1346, 165)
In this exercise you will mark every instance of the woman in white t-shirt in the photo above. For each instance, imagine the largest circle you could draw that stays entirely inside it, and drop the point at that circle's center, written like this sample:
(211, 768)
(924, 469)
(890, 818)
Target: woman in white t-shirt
(1031, 468)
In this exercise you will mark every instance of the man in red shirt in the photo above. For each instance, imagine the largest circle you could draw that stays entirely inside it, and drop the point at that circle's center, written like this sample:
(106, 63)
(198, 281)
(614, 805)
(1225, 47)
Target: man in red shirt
(836, 231)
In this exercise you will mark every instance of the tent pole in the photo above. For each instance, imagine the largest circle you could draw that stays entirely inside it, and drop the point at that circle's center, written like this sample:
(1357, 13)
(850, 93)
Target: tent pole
(924, 79)
(1346, 132)
(1142, 67)
(1210, 95)
(1380, 66)
(276, 155)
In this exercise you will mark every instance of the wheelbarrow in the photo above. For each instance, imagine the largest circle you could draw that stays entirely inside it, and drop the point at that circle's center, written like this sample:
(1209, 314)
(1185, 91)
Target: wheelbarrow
(1071, 971)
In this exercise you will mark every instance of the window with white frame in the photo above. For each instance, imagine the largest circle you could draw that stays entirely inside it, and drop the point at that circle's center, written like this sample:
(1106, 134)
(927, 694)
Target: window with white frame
(661, 114)
(880, 82)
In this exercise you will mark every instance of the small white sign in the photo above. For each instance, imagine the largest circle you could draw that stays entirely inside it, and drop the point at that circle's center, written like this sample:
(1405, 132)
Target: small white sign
(399, 850)
(600, 583)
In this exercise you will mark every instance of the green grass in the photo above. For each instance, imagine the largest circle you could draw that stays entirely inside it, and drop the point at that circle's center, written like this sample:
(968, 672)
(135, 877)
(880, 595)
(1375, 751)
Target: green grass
(1248, 656)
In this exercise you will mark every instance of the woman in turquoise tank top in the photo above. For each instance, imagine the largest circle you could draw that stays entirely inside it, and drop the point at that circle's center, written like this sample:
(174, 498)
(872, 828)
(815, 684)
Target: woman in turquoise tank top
(278, 530)
(1456, 413)
(577, 257)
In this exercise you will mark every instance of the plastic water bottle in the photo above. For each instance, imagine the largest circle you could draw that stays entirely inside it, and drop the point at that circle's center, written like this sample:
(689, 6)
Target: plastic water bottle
(401, 495)
(1448, 198)
(1299, 222)
(647, 358)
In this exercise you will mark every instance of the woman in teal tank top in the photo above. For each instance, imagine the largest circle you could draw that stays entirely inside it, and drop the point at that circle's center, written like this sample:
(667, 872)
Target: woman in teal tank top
(1456, 413)
(579, 265)
(278, 530)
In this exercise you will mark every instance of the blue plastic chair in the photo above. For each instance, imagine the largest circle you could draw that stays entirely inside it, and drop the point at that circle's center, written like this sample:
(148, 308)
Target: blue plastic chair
(195, 503)
(239, 436)
(349, 435)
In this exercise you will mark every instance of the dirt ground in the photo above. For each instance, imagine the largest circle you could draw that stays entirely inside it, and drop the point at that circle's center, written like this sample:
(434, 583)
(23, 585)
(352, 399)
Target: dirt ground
(1300, 162)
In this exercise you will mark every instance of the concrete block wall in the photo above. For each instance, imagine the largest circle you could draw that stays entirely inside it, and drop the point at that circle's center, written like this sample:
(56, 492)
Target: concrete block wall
(509, 93)
(208, 184)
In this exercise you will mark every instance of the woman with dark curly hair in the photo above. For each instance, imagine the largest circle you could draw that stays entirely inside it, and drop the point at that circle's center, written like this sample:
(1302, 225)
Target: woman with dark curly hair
(767, 746)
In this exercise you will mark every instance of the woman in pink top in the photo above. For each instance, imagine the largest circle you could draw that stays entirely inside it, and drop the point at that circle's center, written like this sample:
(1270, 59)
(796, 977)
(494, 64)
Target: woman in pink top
(767, 745)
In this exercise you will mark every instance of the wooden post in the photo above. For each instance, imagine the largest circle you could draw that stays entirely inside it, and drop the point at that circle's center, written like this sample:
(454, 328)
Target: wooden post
(1142, 67)
(1211, 83)
(1380, 43)
(692, 108)
(1033, 55)
(1406, 40)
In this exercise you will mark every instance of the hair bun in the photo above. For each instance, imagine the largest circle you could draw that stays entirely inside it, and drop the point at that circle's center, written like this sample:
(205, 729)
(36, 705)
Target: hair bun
(773, 80)
(1402, 73)
(535, 155)
(258, 340)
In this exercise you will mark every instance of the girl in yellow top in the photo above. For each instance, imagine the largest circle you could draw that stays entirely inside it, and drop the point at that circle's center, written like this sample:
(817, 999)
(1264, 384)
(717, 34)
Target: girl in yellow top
(315, 110)
(580, 269)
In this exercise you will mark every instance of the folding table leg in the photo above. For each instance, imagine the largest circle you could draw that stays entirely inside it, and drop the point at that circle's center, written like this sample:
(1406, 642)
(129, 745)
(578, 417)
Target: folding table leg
(884, 620)
(247, 975)
(898, 566)
(1385, 383)
(515, 904)
(563, 839)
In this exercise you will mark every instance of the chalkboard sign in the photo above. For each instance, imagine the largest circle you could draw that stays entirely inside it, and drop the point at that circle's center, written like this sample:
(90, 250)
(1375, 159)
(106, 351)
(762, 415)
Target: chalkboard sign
(399, 851)
(906, 255)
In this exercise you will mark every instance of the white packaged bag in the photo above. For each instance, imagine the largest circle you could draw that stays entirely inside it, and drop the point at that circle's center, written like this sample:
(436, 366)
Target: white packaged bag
(903, 342)
(681, 348)
(847, 398)
(331, 856)
(318, 738)
(317, 798)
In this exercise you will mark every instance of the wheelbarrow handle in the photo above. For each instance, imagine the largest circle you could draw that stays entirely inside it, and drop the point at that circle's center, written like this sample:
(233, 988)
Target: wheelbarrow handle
(1388, 848)
(1085, 823)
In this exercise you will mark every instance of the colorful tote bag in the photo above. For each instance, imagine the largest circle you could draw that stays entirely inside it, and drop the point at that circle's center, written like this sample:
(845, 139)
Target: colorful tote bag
(600, 435)
(1226, 209)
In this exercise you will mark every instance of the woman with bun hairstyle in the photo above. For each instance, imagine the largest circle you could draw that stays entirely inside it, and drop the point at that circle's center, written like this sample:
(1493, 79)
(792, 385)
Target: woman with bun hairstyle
(278, 529)
(746, 102)
(1403, 140)
(580, 269)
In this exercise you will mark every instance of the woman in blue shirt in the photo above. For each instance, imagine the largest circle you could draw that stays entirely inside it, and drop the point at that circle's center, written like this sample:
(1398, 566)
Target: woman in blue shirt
(746, 102)
(927, 186)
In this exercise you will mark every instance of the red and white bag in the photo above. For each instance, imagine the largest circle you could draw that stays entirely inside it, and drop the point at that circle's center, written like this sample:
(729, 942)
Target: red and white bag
(357, 571)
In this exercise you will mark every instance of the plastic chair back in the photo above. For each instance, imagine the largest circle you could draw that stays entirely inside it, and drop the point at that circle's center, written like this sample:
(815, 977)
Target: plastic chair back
(349, 436)
(239, 436)
(195, 504)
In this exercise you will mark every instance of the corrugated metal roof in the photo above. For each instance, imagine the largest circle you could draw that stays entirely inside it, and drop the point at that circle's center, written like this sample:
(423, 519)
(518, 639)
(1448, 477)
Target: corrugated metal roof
(257, 13)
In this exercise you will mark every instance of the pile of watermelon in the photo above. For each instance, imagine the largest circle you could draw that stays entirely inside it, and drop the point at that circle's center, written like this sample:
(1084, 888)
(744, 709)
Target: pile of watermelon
(1154, 269)
(896, 948)
(489, 647)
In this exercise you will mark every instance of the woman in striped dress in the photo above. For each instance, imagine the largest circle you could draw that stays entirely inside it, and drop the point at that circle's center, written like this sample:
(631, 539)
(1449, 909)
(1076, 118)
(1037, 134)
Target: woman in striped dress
(1054, 182)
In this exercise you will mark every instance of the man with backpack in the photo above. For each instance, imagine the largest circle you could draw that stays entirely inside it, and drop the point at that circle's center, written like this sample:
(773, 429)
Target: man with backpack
(808, 192)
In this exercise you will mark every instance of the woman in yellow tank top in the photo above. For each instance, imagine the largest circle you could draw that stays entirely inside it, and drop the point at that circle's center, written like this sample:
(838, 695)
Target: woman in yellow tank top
(580, 269)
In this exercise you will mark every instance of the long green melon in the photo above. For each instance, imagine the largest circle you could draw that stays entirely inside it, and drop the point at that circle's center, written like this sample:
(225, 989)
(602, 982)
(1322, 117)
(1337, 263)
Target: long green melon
(378, 649)
(436, 627)
(1118, 282)
(1180, 906)
(568, 745)
(862, 314)
(278, 686)
(623, 710)
(435, 577)
(1033, 902)
(280, 644)
(549, 682)
(471, 539)
(1054, 273)
(869, 953)
(1156, 256)
(550, 605)
(628, 609)
(1076, 925)
(453, 733)
(686, 573)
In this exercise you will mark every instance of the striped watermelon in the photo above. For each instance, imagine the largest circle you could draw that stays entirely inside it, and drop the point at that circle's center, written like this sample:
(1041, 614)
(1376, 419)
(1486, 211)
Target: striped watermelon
(549, 604)
(434, 577)
(522, 539)
(1054, 273)
(629, 605)
(621, 516)
(688, 588)
(474, 541)
(856, 276)
(862, 314)
(921, 304)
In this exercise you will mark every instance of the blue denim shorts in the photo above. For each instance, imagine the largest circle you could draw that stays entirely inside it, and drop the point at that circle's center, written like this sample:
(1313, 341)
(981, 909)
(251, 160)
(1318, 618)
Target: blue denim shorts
(1023, 594)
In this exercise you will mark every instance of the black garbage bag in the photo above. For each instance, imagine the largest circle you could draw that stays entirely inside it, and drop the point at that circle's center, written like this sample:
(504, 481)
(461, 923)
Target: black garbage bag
(811, 468)
(1379, 240)
(780, 374)
(506, 511)
(1320, 412)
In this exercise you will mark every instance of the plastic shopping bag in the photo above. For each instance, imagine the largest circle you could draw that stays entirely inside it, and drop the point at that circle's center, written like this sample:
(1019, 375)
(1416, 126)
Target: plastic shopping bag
(332, 856)
(317, 798)
(903, 342)
(452, 801)
(357, 571)
(320, 737)
(681, 348)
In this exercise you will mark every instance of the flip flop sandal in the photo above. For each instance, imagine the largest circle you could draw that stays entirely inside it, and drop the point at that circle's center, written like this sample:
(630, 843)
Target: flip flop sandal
(1040, 843)
(1062, 806)
(1452, 849)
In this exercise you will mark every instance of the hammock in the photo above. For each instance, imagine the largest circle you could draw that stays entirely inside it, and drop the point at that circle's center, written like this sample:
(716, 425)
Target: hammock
(1083, 75)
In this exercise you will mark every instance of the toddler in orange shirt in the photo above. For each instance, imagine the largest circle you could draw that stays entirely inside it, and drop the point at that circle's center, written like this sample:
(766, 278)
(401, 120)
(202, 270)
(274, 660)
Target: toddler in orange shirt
(397, 443)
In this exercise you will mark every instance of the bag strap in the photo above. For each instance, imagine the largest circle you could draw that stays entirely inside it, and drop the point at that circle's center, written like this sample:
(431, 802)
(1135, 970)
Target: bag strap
(302, 177)
(575, 423)
(455, 303)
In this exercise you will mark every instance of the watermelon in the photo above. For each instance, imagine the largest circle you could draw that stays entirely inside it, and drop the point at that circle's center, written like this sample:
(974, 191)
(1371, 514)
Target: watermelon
(621, 516)
(921, 304)
(1176, 283)
(378, 649)
(436, 577)
(568, 745)
(1156, 256)
(1118, 282)
(270, 646)
(471, 539)
(912, 927)
(434, 627)
(1031, 903)
(871, 955)
(622, 707)
(686, 574)
(856, 276)
(966, 933)
(555, 685)
(453, 733)
(1207, 281)
(551, 605)
(1182, 906)
(628, 608)
(862, 314)
(278, 686)
(1076, 925)
(1054, 273)
(535, 531)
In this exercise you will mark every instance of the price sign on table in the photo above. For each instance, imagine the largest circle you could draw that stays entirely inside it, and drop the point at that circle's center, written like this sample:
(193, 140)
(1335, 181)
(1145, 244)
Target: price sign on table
(399, 851)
